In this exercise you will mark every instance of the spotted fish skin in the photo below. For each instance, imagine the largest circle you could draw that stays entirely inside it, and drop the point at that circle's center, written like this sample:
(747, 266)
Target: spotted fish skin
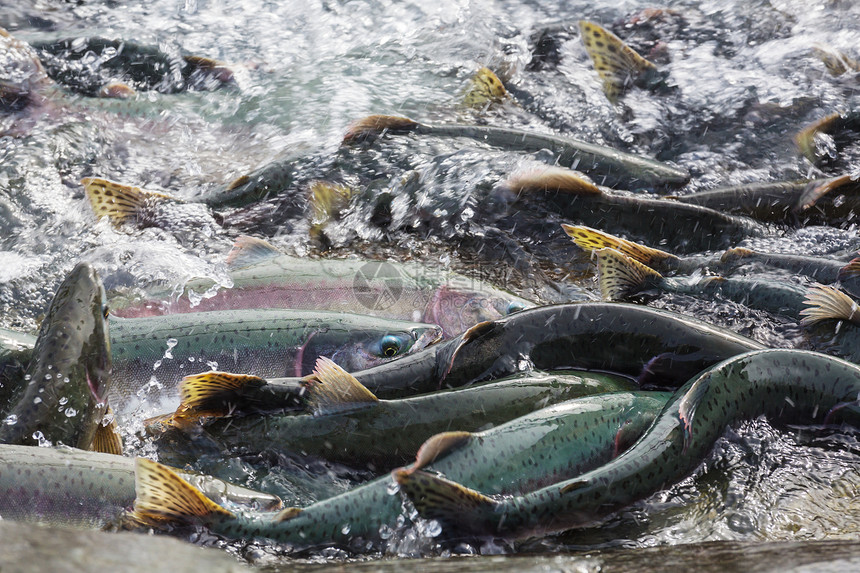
(574, 436)
(651, 345)
(75, 488)
(388, 433)
(69, 372)
(265, 342)
(794, 386)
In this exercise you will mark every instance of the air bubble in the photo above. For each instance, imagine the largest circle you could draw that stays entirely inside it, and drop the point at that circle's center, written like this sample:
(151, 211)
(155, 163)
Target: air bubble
(70, 412)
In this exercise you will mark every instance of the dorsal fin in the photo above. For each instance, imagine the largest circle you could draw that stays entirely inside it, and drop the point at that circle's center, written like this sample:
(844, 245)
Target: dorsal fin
(107, 438)
(249, 251)
(736, 253)
(590, 239)
(116, 90)
(620, 276)
(446, 501)
(120, 203)
(485, 88)
(826, 303)
(161, 496)
(436, 446)
(209, 392)
(617, 63)
(373, 126)
(816, 190)
(238, 182)
(333, 389)
(553, 179)
(805, 138)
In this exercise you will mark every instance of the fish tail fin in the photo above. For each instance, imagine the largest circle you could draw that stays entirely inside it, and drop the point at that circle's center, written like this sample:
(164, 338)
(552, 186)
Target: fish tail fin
(373, 126)
(617, 64)
(249, 251)
(448, 502)
(826, 303)
(120, 203)
(620, 276)
(332, 389)
(590, 239)
(485, 88)
(210, 393)
(805, 138)
(437, 446)
(818, 189)
(161, 496)
(107, 438)
(327, 200)
(836, 62)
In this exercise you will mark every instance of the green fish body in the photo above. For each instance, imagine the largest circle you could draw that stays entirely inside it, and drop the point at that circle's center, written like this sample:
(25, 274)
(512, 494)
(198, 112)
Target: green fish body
(265, 342)
(75, 488)
(621, 276)
(387, 433)
(653, 346)
(562, 440)
(62, 397)
(791, 386)
(655, 220)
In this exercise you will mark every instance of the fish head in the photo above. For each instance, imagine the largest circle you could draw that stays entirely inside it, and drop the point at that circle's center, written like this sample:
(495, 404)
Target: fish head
(458, 309)
(69, 373)
(367, 347)
(22, 76)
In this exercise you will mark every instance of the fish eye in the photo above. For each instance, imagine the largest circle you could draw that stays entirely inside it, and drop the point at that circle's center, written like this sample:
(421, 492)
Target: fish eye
(390, 345)
(515, 306)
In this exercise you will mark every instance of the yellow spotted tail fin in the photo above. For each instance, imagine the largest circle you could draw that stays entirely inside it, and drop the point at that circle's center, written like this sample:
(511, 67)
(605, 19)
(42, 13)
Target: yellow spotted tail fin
(617, 64)
(118, 202)
(485, 88)
(161, 496)
(620, 276)
(590, 239)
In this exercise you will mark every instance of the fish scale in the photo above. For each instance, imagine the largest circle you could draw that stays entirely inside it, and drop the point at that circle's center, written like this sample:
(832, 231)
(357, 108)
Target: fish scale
(265, 342)
(571, 437)
(791, 386)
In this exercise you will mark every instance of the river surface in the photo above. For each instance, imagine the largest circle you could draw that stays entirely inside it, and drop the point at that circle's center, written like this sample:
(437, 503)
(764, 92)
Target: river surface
(742, 82)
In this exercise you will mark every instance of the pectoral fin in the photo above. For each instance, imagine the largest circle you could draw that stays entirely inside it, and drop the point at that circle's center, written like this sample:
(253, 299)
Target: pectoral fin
(829, 303)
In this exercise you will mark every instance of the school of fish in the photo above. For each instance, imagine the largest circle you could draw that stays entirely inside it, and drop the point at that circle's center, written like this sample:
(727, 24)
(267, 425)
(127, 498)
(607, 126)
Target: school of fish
(325, 383)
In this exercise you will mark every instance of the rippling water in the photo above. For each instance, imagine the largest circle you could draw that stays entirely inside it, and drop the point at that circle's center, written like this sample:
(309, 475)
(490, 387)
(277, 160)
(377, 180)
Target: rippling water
(744, 82)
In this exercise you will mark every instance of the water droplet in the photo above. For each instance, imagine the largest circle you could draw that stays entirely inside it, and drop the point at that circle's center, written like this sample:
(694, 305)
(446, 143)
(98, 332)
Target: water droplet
(48, 376)
(71, 412)
(432, 528)
(392, 488)
(156, 365)
(190, 359)
(41, 440)
(385, 531)
(345, 529)
(171, 343)
(37, 400)
(64, 400)
(11, 420)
